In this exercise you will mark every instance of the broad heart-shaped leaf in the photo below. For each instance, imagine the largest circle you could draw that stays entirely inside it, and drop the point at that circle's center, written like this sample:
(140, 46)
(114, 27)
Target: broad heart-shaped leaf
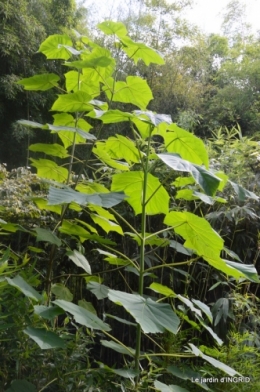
(104, 156)
(110, 116)
(214, 362)
(68, 195)
(69, 123)
(120, 147)
(83, 316)
(47, 236)
(152, 316)
(197, 232)
(41, 82)
(47, 312)
(206, 180)
(53, 47)
(131, 183)
(80, 260)
(73, 102)
(50, 170)
(184, 143)
(106, 224)
(54, 149)
(168, 388)
(44, 339)
(139, 51)
(76, 81)
(98, 289)
(135, 90)
(109, 27)
(61, 292)
(122, 349)
(21, 386)
(24, 287)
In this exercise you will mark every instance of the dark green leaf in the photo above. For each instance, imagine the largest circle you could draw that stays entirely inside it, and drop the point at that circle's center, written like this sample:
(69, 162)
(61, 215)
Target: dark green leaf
(21, 386)
(47, 236)
(122, 349)
(44, 339)
(80, 260)
(47, 312)
(24, 287)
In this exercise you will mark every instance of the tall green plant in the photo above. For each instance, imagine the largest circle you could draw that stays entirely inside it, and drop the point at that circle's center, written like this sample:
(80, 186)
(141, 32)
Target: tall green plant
(91, 195)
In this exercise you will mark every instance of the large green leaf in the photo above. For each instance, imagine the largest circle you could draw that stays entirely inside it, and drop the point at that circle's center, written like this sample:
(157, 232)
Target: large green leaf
(184, 143)
(68, 195)
(168, 388)
(197, 232)
(76, 81)
(152, 316)
(214, 362)
(53, 47)
(24, 287)
(152, 118)
(185, 373)
(132, 183)
(110, 116)
(109, 27)
(206, 180)
(135, 90)
(50, 170)
(47, 312)
(106, 224)
(41, 82)
(139, 51)
(73, 102)
(248, 270)
(122, 349)
(120, 147)
(44, 339)
(53, 149)
(21, 386)
(98, 289)
(47, 236)
(83, 316)
(80, 260)
(104, 156)
(61, 292)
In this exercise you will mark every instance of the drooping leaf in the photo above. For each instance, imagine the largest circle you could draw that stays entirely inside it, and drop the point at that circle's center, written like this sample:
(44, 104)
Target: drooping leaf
(168, 388)
(152, 118)
(139, 51)
(109, 27)
(205, 309)
(24, 287)
(54, 149)
(53, 47)
(248, 270)
(47, 236)
(184, 143)
(131, 183)
(243, 193)
(196, 231)
(110, 116)
(213, 334)
(98, 289)
(41, 82)
(21, 386)
(152, 316)
(44, 339)
(214, 362)
(135, 90)
(180, 248)
(186, 373)
(67, 195)
(80, 260)
(47, 312)
(30, 124)
(206, 180)
(73, 102)
(50, 170)
(61, 292)
(106, 224)
(122, 349)
(83, 316)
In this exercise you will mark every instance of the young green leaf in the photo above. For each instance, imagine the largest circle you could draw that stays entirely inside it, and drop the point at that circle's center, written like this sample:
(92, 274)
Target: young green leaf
(73, 102)
(109, 27)
(50, 170)
(54, 47)
(139, 51)
(54, 149)
(132, 183)
(40, 82)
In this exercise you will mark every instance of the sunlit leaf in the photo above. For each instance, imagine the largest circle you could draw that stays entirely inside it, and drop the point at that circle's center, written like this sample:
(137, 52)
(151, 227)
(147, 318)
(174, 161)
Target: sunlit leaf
(106, 224)
(131, 183)
(53, 47)
(54, 149)
(139, 51)
(50, 170)
(161, 289)
(73, 102)
(120, 147)
(110, 116)
(135, 90)
(109, 27)
(44, 339)
(40, 82)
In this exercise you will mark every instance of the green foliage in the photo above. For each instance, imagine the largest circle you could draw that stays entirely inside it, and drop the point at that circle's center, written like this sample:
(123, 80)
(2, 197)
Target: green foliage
(100, 191)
